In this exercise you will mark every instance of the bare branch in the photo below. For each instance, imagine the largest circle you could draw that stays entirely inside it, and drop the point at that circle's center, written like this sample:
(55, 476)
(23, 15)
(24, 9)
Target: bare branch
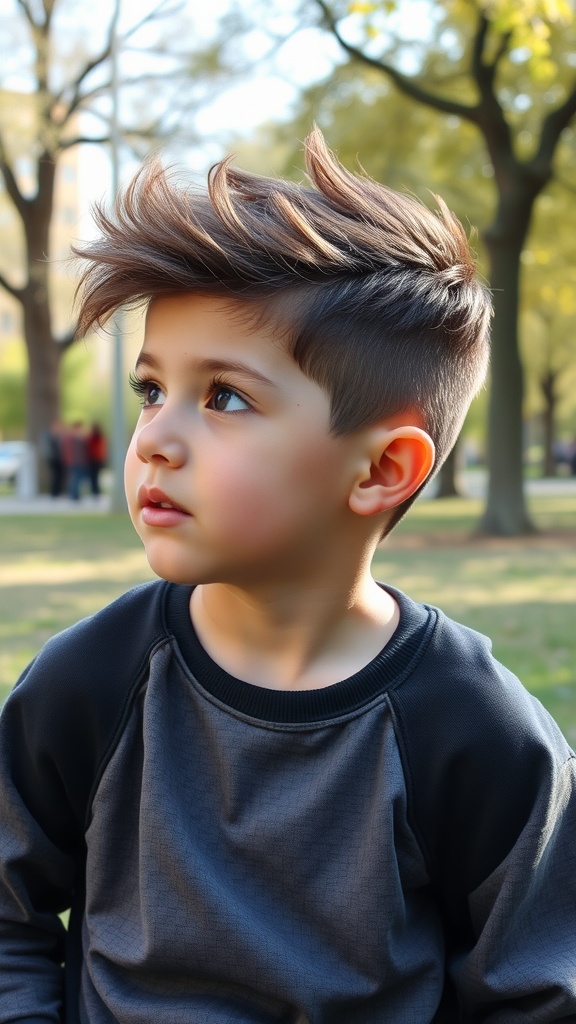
(79, 97)
(17, 293)
(409, 86)
(76, 84)
(150, 78)
(161, 11)
(27, 11)
(84, 140)
(104, 119)
(99, 90)
(10, 182)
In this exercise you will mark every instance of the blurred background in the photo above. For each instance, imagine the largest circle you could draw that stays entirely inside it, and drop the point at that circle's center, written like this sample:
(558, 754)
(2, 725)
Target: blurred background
(475, 100)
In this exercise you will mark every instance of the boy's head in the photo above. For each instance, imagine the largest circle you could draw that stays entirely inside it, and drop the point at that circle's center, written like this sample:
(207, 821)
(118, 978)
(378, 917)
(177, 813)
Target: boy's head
(374, 295)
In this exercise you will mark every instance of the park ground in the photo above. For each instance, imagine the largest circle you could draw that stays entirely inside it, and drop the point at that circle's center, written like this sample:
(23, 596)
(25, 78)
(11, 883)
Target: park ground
(56, 568)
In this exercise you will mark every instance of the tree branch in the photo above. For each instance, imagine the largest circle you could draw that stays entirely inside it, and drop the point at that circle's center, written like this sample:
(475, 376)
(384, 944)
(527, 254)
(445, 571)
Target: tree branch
(79, 97)
(16, 293)
(481, 68)
(84, 140)
(552, 127)
(10, 183)
(161, 11)
(409, 86)
(27, 12)
(491, 118)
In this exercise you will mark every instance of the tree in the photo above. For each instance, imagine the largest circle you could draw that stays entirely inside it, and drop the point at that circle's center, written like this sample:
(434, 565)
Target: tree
(505, 69)
(548, 323)
(67, 93)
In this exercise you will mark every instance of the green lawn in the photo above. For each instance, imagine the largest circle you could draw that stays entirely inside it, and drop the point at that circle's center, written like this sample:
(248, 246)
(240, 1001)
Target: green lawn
(56, 569)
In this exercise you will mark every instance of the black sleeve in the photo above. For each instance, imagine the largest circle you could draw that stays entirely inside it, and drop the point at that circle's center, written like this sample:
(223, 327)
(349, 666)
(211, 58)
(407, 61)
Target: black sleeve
(492, 796)
(57, 730)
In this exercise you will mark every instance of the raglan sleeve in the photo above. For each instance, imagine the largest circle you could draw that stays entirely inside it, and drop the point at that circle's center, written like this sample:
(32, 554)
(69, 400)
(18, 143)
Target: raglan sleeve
(521, 965)
(39, 849)
(492, 796)
(57, 728)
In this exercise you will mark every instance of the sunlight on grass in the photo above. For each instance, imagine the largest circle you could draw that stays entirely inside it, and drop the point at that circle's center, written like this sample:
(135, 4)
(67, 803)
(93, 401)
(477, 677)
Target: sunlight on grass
(43, 569)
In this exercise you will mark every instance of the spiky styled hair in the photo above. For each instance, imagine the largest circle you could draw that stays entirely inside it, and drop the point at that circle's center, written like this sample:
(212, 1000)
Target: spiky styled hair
(376, 295)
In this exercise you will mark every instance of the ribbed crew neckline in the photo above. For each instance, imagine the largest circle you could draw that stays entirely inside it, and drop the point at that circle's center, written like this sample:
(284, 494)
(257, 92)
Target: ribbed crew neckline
(300, 706)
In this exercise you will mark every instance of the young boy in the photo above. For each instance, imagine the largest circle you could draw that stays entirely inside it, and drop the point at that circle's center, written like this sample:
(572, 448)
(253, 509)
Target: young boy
(269, 788)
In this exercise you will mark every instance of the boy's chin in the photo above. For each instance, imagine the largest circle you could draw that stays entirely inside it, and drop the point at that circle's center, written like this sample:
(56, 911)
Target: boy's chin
(173, 571)
(174, 575)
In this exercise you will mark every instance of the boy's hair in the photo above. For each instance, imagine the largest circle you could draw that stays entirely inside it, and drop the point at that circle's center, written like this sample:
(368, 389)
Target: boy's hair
(376, 295)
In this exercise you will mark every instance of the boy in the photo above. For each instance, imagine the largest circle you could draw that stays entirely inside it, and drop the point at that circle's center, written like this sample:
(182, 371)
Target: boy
(270, 788)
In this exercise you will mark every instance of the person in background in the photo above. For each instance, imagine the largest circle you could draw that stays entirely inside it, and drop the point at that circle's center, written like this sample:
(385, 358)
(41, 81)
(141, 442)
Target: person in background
(51, 452)
(74, 449)
(96, 454)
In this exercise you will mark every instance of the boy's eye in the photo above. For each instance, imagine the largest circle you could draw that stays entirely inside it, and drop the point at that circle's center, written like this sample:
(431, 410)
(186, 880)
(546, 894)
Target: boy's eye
(153, 395)
(150, 394)
(226, 400)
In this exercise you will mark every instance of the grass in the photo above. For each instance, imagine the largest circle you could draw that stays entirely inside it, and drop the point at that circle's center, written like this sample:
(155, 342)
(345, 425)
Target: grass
(53, 571)
(521, 592)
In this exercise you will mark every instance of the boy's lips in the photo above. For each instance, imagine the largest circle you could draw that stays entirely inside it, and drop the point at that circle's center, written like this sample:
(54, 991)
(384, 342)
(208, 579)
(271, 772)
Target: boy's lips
(158, 509)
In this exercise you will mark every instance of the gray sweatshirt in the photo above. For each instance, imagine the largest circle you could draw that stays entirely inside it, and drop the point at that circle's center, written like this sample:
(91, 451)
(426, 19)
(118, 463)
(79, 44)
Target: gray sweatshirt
(399, 848)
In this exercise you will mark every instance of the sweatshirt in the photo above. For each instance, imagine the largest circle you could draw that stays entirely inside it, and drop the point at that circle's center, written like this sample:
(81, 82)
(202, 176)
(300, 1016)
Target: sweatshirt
(397, 848)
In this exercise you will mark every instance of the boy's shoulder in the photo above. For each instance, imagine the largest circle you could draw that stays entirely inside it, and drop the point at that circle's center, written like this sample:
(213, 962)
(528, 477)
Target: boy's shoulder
(69, 705)
(119, 635)
(477, 750)
(457, 687)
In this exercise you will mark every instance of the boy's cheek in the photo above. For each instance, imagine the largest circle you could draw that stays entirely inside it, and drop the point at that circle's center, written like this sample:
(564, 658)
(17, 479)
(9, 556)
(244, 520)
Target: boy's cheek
(132, 482)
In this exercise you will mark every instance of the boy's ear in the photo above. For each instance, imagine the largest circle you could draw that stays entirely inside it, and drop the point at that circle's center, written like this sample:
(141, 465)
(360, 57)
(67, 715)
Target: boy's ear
(397, 461)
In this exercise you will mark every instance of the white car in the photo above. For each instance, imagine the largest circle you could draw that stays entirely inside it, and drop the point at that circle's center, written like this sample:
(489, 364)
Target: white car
(12, 454)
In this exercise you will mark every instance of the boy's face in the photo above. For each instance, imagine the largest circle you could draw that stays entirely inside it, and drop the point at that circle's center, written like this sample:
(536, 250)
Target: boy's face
(232, 474)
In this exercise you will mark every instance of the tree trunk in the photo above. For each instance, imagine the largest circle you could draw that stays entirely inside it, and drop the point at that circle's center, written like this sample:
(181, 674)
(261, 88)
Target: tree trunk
(548, 388)
(505, 513)
(447, 476)
(43, 385)
(44, 352)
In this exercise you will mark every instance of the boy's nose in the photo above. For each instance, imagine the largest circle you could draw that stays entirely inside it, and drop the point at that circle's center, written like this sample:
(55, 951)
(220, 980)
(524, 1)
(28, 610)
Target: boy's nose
(158, 441)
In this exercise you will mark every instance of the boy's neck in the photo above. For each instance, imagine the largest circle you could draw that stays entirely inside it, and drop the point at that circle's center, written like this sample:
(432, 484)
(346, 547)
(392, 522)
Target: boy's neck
(299, 639)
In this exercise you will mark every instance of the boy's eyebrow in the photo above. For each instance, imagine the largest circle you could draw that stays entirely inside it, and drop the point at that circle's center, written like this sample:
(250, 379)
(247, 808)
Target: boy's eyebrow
(211, 366)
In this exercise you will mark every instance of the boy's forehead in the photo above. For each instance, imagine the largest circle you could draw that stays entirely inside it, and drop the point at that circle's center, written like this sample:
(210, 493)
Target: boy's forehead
(211, 320)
